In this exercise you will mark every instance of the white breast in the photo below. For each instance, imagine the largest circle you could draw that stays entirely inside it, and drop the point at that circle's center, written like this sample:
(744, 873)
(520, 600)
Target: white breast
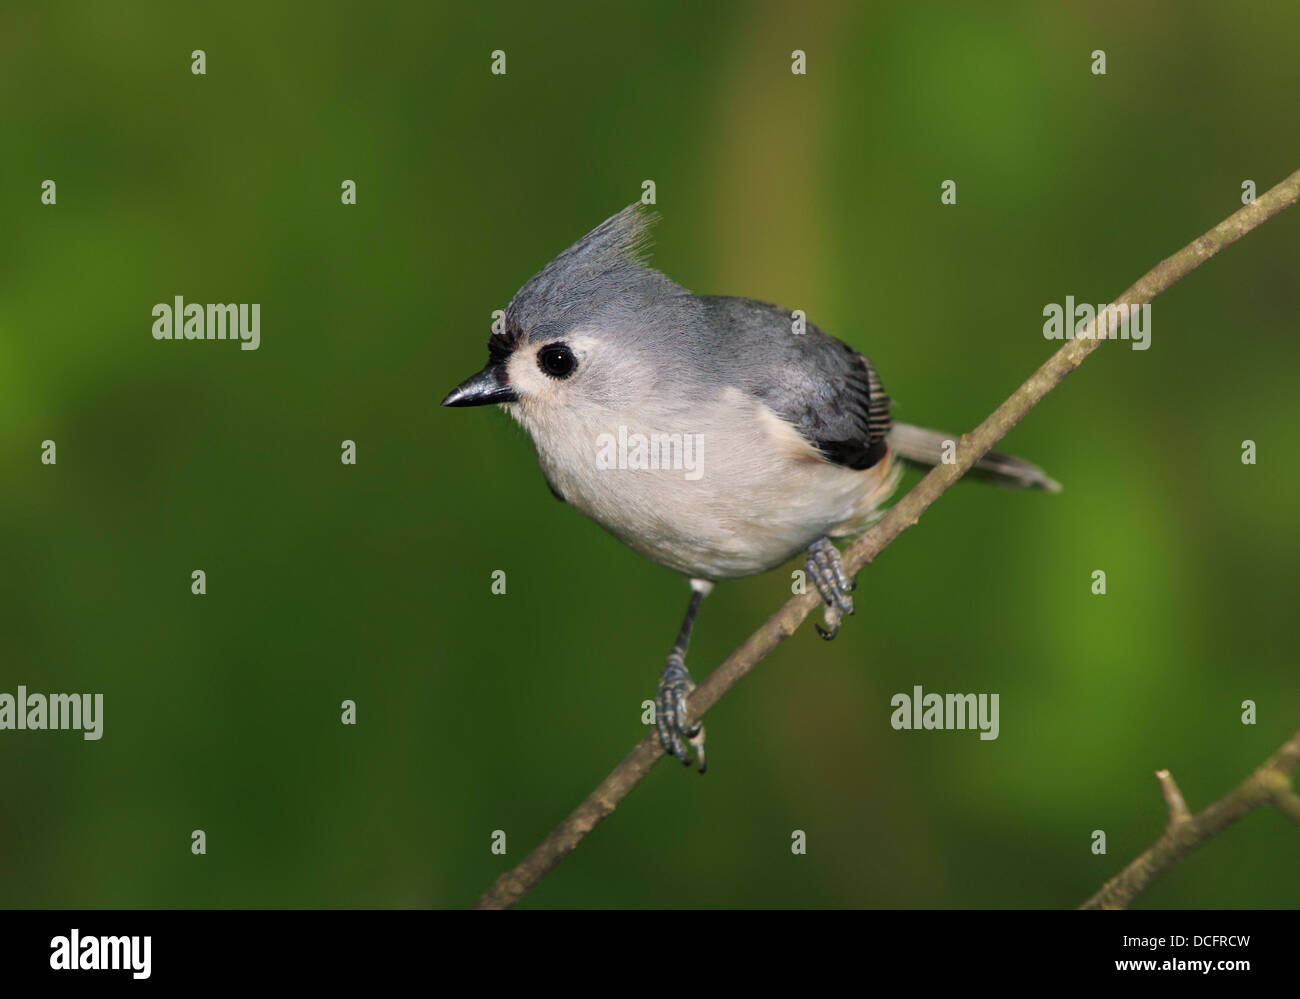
(737, 490)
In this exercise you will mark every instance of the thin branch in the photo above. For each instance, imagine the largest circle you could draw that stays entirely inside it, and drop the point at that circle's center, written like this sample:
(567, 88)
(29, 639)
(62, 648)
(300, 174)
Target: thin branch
(1269, 785)
(1287, 802)
(513, 884)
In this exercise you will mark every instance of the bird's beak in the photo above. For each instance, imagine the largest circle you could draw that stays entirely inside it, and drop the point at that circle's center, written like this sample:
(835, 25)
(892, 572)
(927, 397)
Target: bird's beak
(482, 389)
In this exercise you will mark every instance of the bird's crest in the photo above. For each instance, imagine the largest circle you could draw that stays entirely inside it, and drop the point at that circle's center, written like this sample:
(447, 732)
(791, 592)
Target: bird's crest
(605, 264)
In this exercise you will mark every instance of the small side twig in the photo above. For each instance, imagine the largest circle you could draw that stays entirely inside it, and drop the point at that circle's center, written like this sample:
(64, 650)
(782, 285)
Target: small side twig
(514, 884)
(1173, 798)
(1269, 785)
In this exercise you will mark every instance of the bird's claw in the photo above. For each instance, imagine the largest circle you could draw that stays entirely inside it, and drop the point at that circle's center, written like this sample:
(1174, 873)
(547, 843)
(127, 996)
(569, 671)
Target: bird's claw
(826, 569)
(672, 717)
(832, 618)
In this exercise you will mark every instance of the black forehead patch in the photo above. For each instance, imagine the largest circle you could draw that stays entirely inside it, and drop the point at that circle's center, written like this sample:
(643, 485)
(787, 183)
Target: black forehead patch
(502, 345)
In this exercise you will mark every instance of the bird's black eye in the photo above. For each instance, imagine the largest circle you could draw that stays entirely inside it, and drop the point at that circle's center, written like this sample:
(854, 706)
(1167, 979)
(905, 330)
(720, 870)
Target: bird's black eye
(557, 360)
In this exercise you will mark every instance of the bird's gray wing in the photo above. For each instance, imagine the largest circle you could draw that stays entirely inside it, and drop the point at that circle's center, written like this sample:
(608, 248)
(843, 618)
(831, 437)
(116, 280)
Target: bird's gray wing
(814, 381)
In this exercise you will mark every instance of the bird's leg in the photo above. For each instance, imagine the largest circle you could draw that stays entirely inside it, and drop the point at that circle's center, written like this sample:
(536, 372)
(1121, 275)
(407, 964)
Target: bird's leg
(675, 684)
(826, 569)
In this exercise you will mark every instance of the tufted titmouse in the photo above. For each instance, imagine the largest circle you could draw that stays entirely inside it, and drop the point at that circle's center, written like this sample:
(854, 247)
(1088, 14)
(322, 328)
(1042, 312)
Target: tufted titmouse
(716, 436)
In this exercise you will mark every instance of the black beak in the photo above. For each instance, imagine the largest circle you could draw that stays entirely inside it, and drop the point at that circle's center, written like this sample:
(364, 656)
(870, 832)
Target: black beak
(482, 389)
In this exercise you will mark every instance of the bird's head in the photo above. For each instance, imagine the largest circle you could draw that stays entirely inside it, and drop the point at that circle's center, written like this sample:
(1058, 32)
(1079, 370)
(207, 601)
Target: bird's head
(593, 330)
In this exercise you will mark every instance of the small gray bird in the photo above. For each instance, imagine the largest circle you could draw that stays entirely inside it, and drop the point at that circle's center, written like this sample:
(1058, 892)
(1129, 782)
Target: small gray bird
(716, 436)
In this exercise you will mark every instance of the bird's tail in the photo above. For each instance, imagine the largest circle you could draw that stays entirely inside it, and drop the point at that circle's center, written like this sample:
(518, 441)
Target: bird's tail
(928, 447)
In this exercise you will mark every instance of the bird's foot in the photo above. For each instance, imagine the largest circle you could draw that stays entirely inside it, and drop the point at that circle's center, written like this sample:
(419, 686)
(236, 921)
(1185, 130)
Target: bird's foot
(826, 570)
(672, 719)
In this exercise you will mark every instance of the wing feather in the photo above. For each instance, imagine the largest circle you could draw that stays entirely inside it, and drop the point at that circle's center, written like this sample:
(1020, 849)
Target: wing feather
(829, 391)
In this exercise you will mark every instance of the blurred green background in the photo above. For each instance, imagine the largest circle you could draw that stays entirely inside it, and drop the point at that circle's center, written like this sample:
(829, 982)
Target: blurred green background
(479, 712)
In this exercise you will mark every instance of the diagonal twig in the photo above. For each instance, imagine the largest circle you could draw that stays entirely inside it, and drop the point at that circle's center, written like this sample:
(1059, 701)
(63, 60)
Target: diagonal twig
(514, 884)
(1269, 785)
